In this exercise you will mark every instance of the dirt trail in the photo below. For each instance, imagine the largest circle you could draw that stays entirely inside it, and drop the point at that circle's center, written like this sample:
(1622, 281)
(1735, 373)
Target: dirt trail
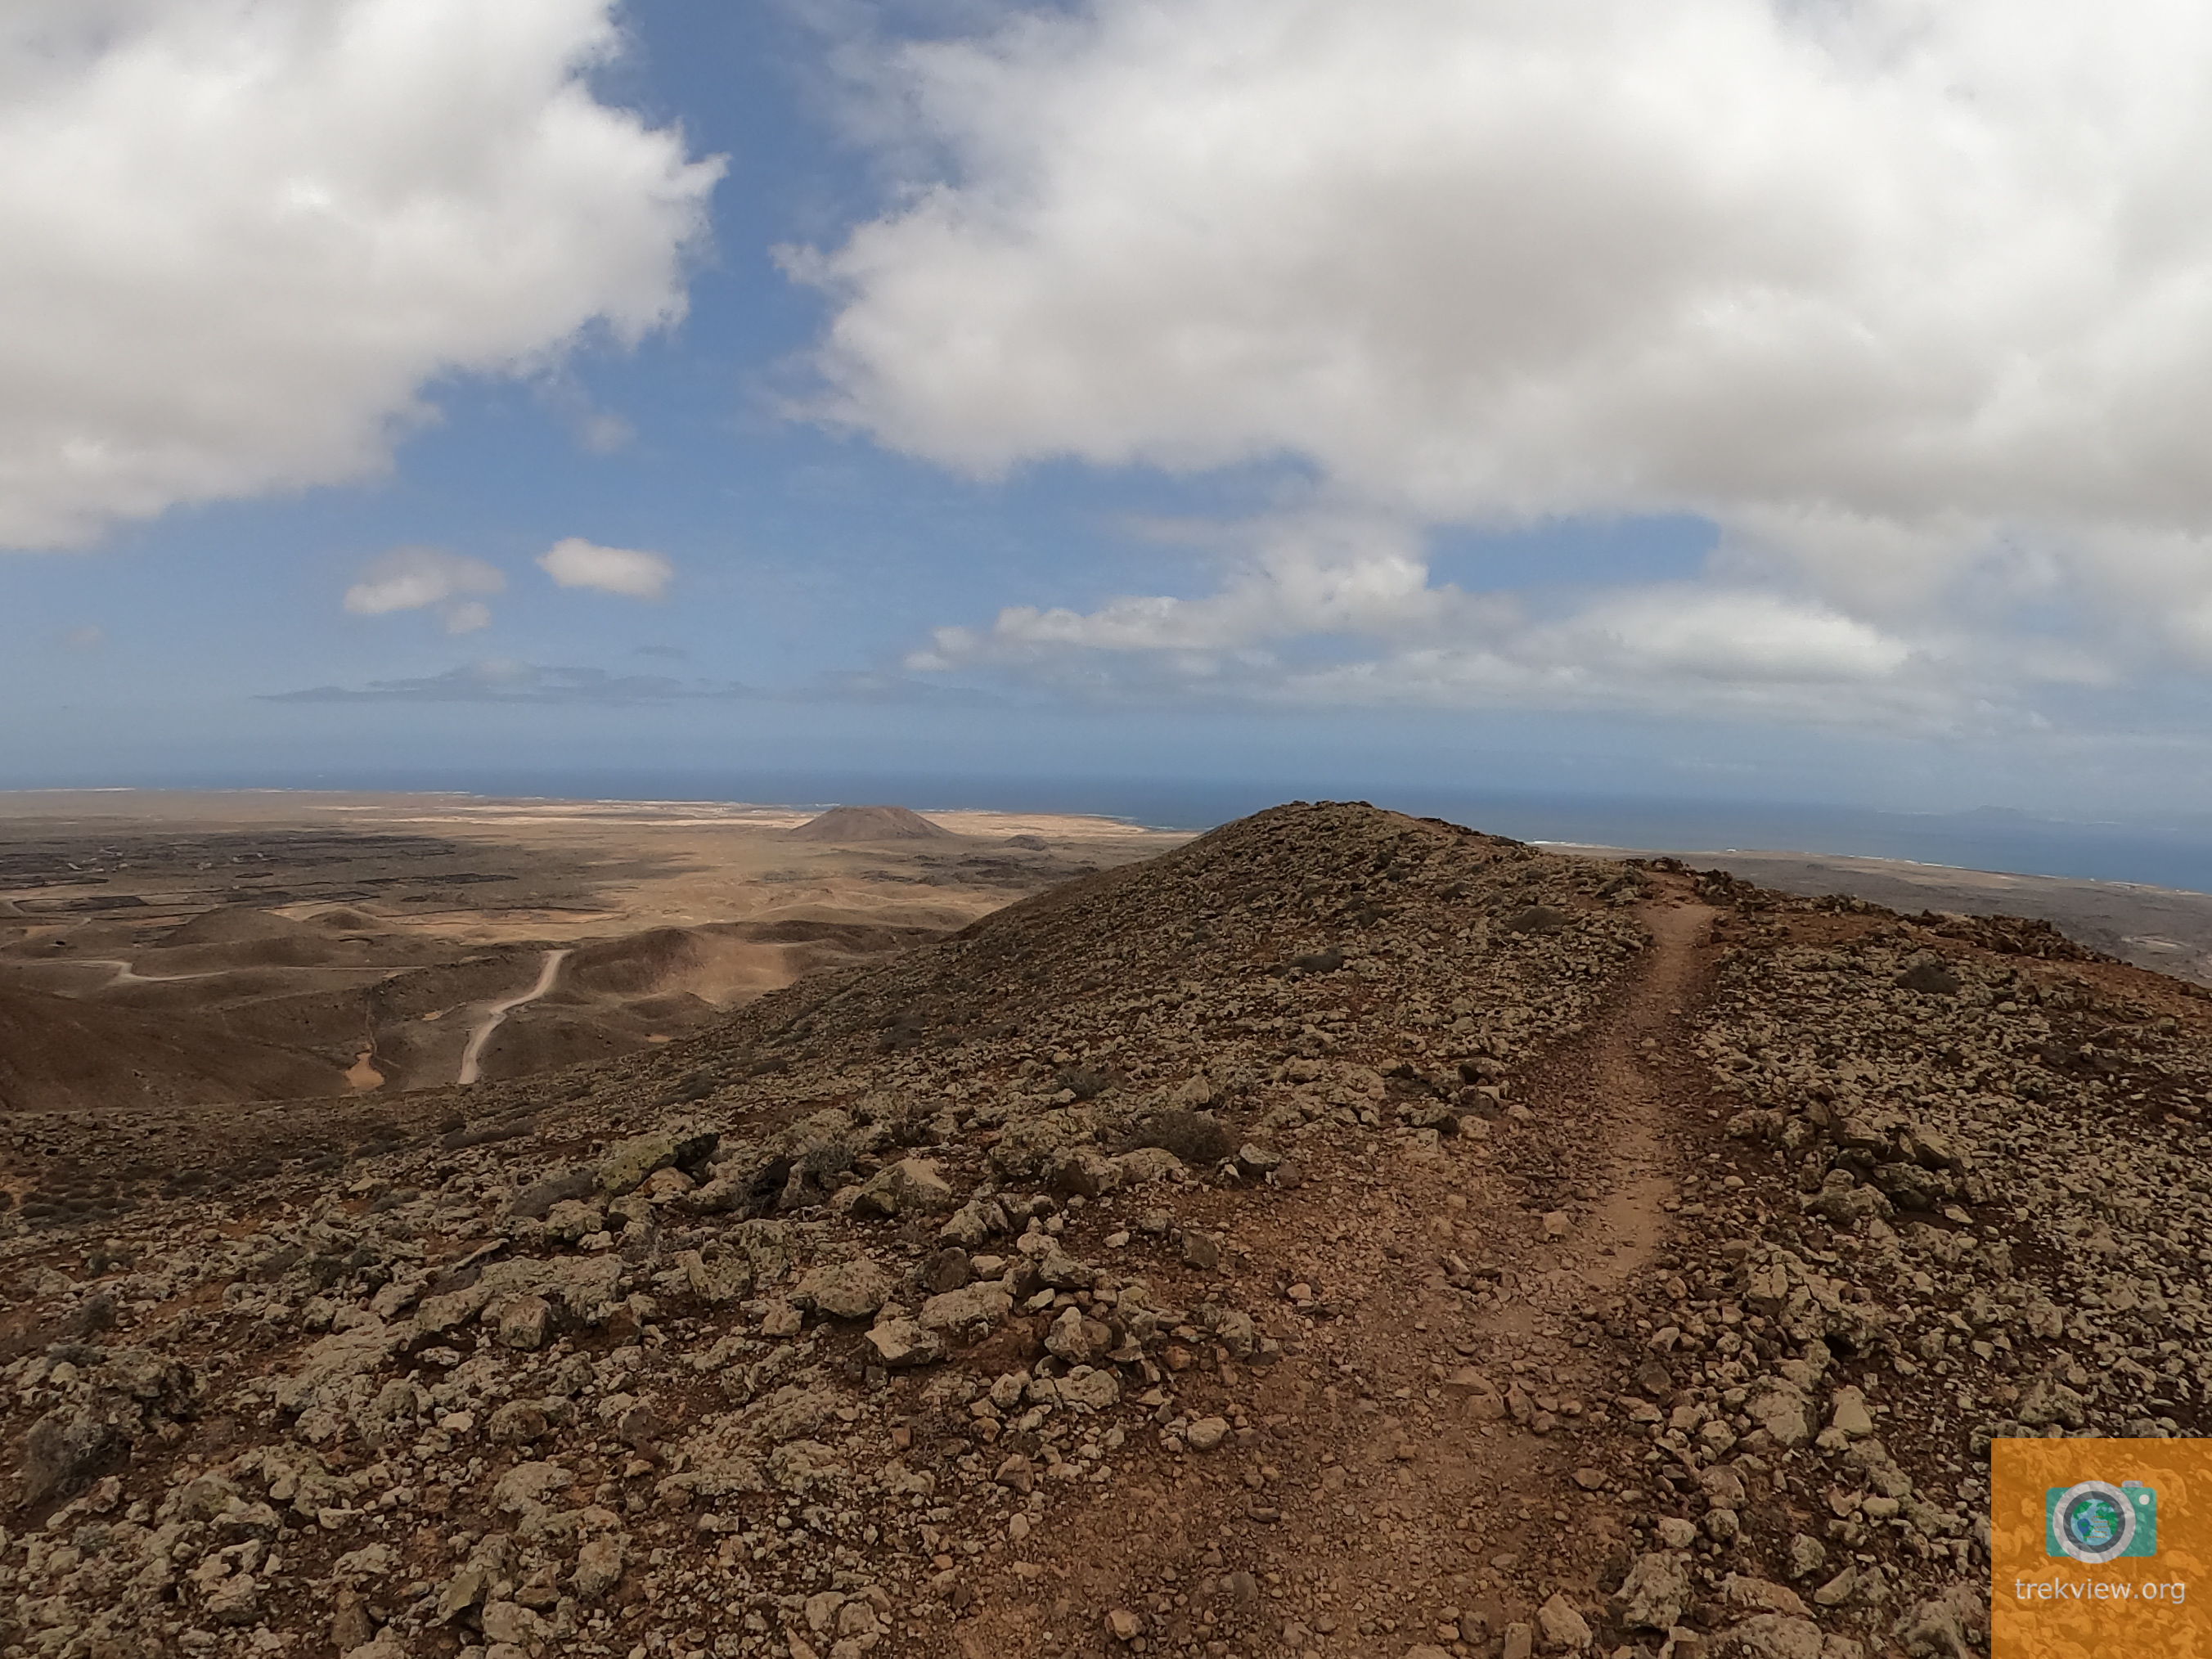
(480, 1034)
(126, 974)
(1375, 1497)
(1630, 1065)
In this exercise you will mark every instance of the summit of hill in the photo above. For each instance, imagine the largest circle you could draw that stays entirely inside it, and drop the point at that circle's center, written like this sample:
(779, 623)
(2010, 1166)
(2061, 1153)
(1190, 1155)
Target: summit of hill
(862, 824)
(1344, 1234)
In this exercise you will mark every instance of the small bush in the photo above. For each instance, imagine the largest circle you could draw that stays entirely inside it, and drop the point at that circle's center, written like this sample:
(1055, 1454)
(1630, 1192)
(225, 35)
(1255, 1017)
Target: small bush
(1084, 1083)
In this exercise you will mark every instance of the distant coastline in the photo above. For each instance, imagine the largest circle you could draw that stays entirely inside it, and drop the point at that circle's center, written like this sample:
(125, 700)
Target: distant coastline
(2176, 855)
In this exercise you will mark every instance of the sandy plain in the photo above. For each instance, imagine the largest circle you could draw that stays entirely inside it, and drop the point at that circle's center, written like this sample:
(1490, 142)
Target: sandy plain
(193, 948)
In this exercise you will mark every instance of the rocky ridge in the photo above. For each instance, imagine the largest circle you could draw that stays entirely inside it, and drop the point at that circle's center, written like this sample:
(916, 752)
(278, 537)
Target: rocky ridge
(1346, 1234)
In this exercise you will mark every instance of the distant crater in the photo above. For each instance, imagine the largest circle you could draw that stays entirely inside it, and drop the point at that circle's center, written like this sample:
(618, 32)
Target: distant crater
(868, 824)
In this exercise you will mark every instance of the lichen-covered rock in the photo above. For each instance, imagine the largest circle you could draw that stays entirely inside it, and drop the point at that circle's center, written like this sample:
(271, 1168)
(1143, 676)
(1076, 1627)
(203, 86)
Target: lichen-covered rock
(63, 1448)
(1780, 1408)
(1144, 1166)
(1081, 1172)
(598, 1567)
(972, 1304)
(974, 1224)
(845, 1290)
(1094, 1390)
(626, 1166)
(903, 1344)
(911, 1186)
(1563, 1625)
(1656, 1590)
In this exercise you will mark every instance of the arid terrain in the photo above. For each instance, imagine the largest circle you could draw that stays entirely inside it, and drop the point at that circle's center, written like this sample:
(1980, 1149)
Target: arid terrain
(1343, 1234)
(2160, 928)
(195, 949)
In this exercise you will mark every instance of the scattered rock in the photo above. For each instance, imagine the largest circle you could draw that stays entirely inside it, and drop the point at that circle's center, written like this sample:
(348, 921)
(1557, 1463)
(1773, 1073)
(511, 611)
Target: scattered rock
(1563, 1625)
(627, 1166)
(1847, 1412)
(845, 1290)
(1206, 1433)
(526, 1323)
(903, 1344)
(598, 1567)
(911, 1186)
(1655, 1591)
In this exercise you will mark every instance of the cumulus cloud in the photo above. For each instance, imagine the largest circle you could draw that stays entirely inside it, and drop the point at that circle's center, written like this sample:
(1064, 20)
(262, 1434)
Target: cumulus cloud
(237, 237)
(1348, 612)
(1913, 300)
(427, 578)
(628, 571)
(1316, 576)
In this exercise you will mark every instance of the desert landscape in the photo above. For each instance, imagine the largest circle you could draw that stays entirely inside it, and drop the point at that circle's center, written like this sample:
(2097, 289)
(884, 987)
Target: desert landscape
(189, 948)
(483, 1194)
(1341, 1234)
(2158, 927)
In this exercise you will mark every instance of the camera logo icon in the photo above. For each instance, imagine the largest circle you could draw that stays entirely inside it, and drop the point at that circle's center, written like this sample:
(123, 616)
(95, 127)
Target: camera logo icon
(2096, 1521)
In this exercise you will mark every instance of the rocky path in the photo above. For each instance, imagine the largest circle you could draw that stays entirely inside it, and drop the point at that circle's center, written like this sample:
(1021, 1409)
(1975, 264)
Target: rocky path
(1629, 1082)
(1438, 1453)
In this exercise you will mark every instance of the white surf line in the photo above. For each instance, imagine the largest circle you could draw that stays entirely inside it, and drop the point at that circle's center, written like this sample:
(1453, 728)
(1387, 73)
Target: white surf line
(473, 1055)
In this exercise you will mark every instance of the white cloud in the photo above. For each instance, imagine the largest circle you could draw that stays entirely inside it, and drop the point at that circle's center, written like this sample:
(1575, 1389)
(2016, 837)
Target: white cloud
(628, 571)
(237, 236)
(1913, 300)
(602, 432)
(1359, 578)
(1739, 636)
(427, 578)
(1346, 611)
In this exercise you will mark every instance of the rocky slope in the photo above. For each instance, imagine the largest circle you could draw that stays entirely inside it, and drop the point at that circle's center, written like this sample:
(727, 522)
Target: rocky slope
(1346, 1234)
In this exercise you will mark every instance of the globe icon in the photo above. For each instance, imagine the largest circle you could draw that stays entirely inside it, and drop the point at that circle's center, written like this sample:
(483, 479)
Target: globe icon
(2094, 1522)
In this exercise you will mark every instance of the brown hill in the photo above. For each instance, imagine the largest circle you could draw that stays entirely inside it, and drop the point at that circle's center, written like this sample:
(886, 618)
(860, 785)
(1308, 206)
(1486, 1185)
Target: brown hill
(862, 824)
(60, 1053)
(237, 925)
(1345, 1233)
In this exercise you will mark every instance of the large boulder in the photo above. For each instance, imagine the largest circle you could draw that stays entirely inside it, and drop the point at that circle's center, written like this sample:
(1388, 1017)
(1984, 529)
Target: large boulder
(971, 1305)
(911, 1186)
(625, 1166)
(845, 1290)
(1780, 1408)
(1953, 1624)
(902, 1344)
(1656, 1590)
(63, 1448)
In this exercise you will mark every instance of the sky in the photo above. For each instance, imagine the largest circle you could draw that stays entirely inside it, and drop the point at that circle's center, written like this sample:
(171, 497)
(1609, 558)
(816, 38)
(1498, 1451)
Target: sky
(1704, 399)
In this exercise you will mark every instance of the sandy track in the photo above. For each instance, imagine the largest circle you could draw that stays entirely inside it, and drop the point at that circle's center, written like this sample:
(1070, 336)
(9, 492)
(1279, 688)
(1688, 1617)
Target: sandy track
(472, 1056)
(126, 974)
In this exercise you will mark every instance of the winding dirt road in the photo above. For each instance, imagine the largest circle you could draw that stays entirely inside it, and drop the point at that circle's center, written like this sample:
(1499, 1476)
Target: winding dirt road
(472, 1056)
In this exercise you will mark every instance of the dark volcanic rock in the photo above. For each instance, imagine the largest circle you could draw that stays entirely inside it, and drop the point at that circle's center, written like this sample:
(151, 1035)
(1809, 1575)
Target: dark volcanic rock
(1345, 1230)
